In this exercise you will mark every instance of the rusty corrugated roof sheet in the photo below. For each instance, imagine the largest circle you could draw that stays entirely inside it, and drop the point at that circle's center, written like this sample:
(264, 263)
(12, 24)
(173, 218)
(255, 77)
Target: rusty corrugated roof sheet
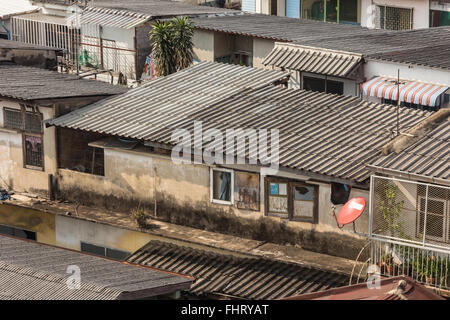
(322, 133)
(308, 59)
(412, 291)
(246, 278)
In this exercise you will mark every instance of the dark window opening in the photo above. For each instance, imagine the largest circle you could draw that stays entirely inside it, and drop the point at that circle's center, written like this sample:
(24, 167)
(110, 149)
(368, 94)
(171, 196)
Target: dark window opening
(12, 118)
(103, 251)
(30, 122)
(222, 185)
(16, 232)
(323, 85)
(273, 7)
(74, 153)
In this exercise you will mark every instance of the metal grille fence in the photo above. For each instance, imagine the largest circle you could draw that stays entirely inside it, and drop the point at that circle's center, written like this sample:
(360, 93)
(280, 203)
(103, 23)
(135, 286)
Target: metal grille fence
(392, 18)
(409, 228)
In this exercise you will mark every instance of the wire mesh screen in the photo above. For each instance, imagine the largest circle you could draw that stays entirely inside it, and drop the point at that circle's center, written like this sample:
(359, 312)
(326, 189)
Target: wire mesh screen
(410, 212)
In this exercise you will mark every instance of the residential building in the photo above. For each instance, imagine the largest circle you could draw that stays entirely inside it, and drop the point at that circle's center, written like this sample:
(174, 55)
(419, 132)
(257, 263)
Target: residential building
(10, 8)
(369, 66)
(405, 14)
(35, 271)
(248, 39)
(103, 35)
(29, 96)
(132, 140)
(388, 14)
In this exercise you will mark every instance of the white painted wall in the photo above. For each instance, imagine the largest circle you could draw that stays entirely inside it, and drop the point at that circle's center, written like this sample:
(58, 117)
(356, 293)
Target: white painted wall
(421, 11)
(374, 68)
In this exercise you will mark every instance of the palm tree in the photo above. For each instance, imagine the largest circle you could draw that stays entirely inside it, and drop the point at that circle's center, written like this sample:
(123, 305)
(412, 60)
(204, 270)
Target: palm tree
(183, 31)
(163, 47)
(172, 45)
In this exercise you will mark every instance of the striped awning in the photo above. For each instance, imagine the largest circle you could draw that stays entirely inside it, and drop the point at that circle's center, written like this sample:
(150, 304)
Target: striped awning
(421, 93)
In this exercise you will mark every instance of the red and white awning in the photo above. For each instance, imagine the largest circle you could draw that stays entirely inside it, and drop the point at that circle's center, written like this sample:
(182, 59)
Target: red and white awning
(421, 93)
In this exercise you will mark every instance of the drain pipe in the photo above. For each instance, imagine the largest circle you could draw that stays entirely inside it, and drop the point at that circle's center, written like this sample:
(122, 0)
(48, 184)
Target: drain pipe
(6, 29)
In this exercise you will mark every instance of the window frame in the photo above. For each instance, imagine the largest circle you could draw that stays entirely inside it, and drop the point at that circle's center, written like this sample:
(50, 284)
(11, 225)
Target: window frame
(211, 186)
(24, 152)
(291, 183)
(105, 250)
(14, 229)
(445, 219)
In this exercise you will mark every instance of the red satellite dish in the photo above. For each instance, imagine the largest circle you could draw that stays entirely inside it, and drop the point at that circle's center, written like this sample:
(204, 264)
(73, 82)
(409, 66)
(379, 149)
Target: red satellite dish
(350, 211)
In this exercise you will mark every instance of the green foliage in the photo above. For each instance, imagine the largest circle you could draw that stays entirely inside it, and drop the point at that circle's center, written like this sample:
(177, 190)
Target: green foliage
(172, 45)
(140, 215)
(390, 210)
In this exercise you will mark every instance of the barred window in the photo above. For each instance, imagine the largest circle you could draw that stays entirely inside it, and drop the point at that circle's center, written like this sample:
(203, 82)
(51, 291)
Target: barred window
(33, 123)
(12, 118)
(392, 18)
(34, 153)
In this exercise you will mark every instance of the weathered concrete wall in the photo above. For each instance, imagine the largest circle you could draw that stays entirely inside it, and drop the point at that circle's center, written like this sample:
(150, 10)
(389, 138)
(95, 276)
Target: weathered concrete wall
(32, 220)
(45, 59)
(203, 45)
(181, 194)
(261, 48)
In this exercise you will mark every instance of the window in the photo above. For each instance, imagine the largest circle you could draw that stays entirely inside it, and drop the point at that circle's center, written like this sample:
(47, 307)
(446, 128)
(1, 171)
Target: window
(392, 18)
(34, 153)
(291, 200)
(323, 85)
(439, 18)
(437, 214)
(29, 121)
(16, 232)
(222, 186)
(246, 188)
(103, 251)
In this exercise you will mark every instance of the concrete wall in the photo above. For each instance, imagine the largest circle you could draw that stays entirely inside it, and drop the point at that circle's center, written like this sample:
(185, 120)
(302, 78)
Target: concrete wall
(181, 194)
(45, 59)
(203, 45)
(261, 48)
(12, 171)
(31, 220)
(421, 11)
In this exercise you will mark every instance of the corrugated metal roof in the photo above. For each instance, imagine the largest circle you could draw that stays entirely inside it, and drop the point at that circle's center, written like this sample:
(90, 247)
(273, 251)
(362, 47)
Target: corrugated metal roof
(280, 28)
(113, 18)
(327, 134)
(40, 17)
(13, 7)
(322, 61)
(27, 83)
(429, 157)
(412, 291)
(30, 270)
(247, 278)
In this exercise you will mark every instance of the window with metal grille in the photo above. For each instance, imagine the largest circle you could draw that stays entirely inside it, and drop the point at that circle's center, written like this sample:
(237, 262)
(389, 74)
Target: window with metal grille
(33, 123)
(12, 118)
(34, 153)
(392, 18)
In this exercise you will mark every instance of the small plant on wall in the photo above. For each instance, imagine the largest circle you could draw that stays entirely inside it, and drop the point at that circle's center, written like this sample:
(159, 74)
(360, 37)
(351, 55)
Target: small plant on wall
(140, 215)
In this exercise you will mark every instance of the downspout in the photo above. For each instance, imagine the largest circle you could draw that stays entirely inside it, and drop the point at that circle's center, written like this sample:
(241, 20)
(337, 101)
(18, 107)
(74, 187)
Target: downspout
(6, 29)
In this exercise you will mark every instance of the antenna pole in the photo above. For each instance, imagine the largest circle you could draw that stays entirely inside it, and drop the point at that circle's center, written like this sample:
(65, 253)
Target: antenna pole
(398, 101)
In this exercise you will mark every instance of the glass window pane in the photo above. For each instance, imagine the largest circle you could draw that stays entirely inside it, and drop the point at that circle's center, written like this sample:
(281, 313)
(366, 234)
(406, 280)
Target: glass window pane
(274, 188)
(116, 254)
(91, 248)
(304, 193)
(221, 185)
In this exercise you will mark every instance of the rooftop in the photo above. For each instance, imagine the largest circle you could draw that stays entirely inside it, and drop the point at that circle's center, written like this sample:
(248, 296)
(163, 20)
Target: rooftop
(280, 28)
(324, 134)
(237, 277)
(426, 47)
(29, 270)
(393, 288)
(27, 83)
(9, 8)
(427, 159)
